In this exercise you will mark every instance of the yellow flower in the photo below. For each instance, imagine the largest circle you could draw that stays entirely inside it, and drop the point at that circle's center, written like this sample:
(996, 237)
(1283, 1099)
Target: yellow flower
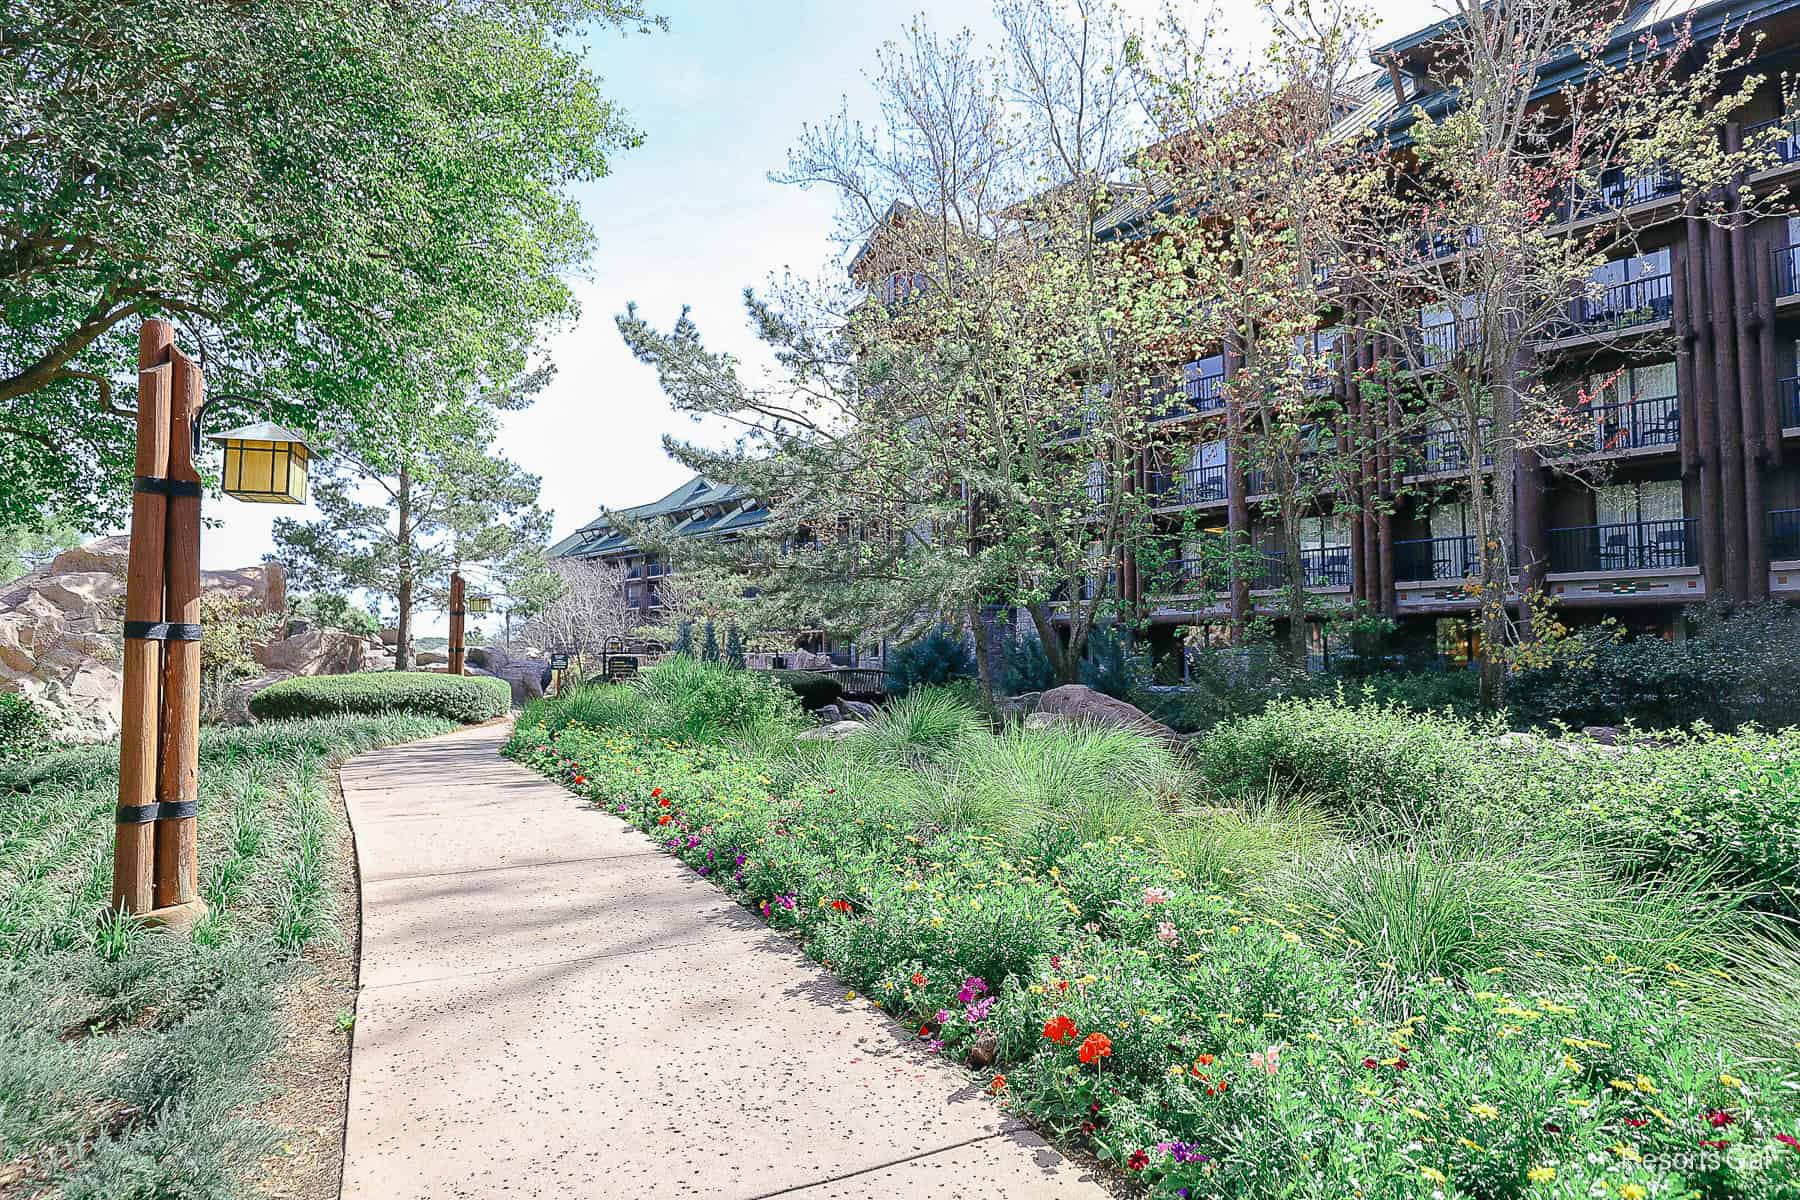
(1541, 1174)
(1569, 1064)
(1486, 1112)
(1632, 1191)
(1731, 1081)
(1433, 1175)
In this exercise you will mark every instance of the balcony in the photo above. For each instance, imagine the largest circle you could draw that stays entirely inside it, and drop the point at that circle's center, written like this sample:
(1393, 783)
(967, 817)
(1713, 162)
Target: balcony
(1647, 300)
(1419, 560)
(1787, 271)
(1617, 191)
(1195, 485)
(1638, 546)
(1444, 243)
(1320, 567)
(1784, 534)
(1437, 451)
(1098, 493)
(1190, 577)
(1790, 401)
(1438, 344)
(1783, 135)
(1634, 425)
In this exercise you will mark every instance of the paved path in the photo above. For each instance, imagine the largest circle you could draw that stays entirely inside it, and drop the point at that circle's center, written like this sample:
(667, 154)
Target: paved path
(551, 1007)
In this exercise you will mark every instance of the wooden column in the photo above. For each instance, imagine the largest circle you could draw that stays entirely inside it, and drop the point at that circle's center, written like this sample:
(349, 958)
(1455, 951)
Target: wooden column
(1729, 415)
(177, 885)
(1237, 504)
(139, 708)
(1706, 408)
(456, 623)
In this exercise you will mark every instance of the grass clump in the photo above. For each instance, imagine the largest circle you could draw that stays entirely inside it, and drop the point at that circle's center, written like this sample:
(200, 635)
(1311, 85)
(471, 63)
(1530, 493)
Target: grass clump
(129, 1061)
(466, 698)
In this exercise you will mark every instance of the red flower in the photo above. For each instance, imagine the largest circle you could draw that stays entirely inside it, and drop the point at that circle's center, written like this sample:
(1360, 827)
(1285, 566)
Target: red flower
(1205, 1060)
(1719, 1118)
(1087, 1127)
(1096, 1047)
(1718, 1145)
(1637, 1122)
(918, 979)
(581, 779)
(999, 1084)
(663, 820)
(1138, 1160)
(1370, 1063)
(841, 905)
(1060, 1029)
(924, 1031)
(1788, 1139)
(655, 792)
(1400, 1064)
(1062, 985)
(663, 803)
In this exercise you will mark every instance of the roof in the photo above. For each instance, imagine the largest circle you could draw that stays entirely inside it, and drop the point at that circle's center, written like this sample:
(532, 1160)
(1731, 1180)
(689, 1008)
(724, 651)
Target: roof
(697, 508)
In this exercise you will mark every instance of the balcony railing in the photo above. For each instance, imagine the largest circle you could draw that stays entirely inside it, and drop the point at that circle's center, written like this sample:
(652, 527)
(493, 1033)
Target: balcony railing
(1785, 145)
(1635, 424)
(1098, 493)
(1784, 534)
(1444, 242)
(1646, 300)
(1638, 546)
(1437, 344)
(1195, 485)
(1617, 190)
(1790, 401)
(1206, 393)
(1190, 577)
(1787, 271)
(1439, 450)
(1420, 559)
(1320, 567)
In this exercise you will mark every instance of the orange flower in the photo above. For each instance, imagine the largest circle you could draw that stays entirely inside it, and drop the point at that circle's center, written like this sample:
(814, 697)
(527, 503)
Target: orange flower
(663, 803)
(918, 979)
(841, 905)
(1060, 1029)
(1096, 1047)
(655, 792)
(1205, 1060)
(663, 820)
(999, 1084)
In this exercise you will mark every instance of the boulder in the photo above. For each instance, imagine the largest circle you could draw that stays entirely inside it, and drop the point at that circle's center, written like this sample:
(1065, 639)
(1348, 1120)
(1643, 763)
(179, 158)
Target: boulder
(1606, 735)
(524, 675)
(108, 554)
(830, 733)
(389, 636)
(1077, 702)
(312, 652)
(431, 658)
(859, 709)
(829, 714)
(1044, 720)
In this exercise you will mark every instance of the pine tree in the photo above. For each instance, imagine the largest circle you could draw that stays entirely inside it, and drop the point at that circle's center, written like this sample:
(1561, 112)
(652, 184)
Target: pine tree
(684, 639)
(734, 647)
(709, 649)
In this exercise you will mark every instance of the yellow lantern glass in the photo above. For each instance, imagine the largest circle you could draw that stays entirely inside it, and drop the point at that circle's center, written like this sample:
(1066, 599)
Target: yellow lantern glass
(479, 604)
(264, 464)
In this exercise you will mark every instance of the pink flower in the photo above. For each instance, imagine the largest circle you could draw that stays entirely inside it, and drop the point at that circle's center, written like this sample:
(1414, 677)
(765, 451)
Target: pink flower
(1267, 1061)
(1154, 896)
(1166, 934)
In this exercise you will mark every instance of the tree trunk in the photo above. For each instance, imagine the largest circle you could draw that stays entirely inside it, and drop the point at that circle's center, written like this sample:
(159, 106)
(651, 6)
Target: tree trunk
(1064, 660)
(984, 666)
(1296, 568)
(403, 656)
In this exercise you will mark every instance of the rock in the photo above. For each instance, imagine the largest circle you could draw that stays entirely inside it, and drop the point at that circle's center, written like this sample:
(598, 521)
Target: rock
(312, 652)
(79, 591)
(1018, 706)
(524, 675)
(431, 658)
(234, 709)
(1045, 720)
(829, 714)
(981, 1054)
(1526, 742)
(1606, 735)
(1077, 702)
(836, 731)
(861, 710)
(108, 554)
(389, 636)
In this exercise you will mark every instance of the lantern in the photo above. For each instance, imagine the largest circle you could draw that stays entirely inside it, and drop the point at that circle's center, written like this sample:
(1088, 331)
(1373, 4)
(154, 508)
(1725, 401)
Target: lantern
(264, 464)
(481, 603)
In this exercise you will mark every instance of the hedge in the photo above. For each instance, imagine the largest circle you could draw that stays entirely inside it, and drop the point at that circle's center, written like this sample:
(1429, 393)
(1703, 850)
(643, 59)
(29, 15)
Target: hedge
(465, 698)
(814, 689)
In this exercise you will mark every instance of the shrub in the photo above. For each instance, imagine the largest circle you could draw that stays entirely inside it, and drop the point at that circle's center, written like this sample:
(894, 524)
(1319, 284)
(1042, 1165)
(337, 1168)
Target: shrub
(23, 727)
(693, 700)
(814, 689)
(465, 698)
(936, 658)
(1109, 666)
(1024, 667)
(924, 723)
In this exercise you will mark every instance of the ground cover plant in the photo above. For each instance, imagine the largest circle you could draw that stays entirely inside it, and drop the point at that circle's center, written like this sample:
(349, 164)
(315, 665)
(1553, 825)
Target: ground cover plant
(465, 698)
(129, 1059)
(1343, 951)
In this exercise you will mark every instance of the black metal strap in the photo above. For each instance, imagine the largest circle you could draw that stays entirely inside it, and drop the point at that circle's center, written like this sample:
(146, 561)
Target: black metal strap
(176, 810)
(162, 631)
(134, 814)
(157, 486)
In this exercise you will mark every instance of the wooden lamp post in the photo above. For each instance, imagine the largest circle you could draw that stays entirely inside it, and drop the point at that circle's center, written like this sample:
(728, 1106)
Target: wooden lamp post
(155, 836)
(457, 609)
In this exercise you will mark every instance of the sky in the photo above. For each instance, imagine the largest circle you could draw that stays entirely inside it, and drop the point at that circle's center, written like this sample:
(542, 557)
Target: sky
(692, 218)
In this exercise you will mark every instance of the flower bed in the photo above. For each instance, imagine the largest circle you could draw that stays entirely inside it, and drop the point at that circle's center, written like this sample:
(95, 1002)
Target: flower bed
(1205, 1048)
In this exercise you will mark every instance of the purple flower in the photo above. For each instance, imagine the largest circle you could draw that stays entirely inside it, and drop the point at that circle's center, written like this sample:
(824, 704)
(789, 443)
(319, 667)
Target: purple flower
(941, 1016)
(972, 989)
(1182, 1152)
(935, 1045)
(979, 1010)
(693, 841)
(739, 860)
(704, 870)
(788, 901)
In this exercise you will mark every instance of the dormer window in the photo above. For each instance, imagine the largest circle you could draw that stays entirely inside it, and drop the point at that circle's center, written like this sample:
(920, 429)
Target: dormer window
(903, 285)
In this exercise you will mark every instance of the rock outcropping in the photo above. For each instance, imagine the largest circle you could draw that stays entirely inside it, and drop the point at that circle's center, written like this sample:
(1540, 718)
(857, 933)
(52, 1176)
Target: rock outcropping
(1076, 702)
(526, 676)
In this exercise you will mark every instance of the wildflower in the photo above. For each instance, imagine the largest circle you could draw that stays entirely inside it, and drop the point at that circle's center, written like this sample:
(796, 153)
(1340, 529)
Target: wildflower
(1400, 1064)
(663, 820)
(655, 792)
(1731, 1081)
(1138, 1160)
(1633, 1191)
(1060, 1029)
(1370, 1064)
(1205, 1060)
(841, 905)
(999, 1084)
(1433, 1175)
(972, 989)
(788, 901)
(1096, 1047)
(979, 1010)
(918, 979)
(581, 779)
(1166, 934)
(1541, 1174)
(663, 803)
(1154, 896)
(1486, 1112)
(1719, 1118)
(1268, 1061)
(1788, 1140)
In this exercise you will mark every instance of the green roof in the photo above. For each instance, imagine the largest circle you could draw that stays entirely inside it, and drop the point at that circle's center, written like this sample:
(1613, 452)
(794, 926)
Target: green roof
(696, 508)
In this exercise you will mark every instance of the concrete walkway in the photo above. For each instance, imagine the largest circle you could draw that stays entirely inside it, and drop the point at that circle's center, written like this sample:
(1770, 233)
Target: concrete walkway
(551, 1007)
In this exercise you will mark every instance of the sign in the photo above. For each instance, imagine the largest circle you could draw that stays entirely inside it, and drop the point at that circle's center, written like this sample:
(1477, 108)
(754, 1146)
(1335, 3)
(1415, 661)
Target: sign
(559, 662)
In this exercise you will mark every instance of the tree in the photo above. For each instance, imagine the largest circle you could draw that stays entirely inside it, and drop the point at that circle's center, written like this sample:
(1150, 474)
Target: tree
(1464, 263)
(311, 189)
(589, 611)
(956, 428)
(442, 501)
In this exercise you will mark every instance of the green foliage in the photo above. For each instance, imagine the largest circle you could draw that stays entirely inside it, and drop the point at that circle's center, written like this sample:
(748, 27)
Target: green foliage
(734, 648)
(1110, 666)
(1024, 667)
(334, 610)
(683, 644)
(925, 723)
(300, 200)
(709, 645)
(23, 726)
(229, 627)
(681, 698)
(465, 698)
(23, 547)
(937, 658)
(98, 1017)
(814, 690)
